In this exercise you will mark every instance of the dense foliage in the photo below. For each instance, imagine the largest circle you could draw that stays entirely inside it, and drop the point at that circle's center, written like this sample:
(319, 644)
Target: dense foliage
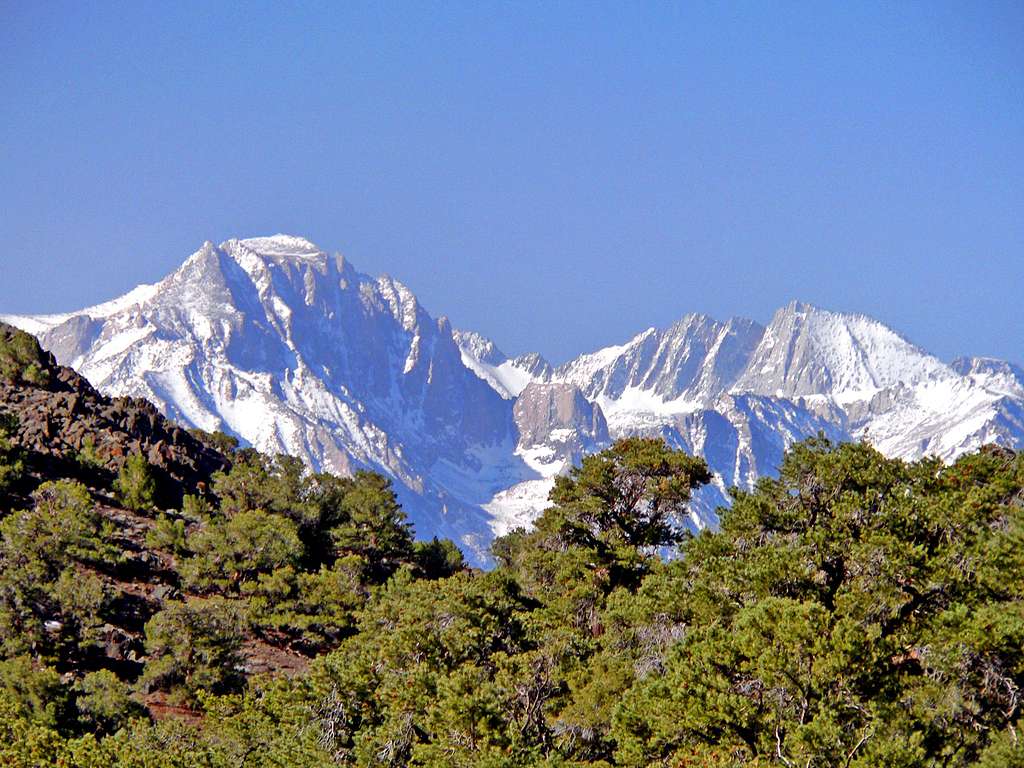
(854, 611)
(20, 358)
(11, 465)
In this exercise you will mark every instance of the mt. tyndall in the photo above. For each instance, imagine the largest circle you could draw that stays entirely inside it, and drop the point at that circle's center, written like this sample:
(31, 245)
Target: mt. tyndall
(294, 351)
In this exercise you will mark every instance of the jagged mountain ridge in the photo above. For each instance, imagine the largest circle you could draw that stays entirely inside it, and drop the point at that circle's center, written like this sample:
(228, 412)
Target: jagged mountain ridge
(293, 350)
(848, 370)
(739, 394)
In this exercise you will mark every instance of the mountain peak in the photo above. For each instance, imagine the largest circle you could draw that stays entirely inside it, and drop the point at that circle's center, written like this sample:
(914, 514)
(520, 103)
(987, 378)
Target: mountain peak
(798, 306)
(479, 347)
(279, 245)
(807, 350)
(690, 363)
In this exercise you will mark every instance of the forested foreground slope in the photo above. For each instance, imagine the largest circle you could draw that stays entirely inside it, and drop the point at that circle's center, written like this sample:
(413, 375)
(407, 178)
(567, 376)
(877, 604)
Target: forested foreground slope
(855, 611)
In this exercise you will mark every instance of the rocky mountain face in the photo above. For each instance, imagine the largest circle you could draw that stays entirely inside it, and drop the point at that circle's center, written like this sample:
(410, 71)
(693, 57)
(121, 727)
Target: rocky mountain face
(558, 413)
(508, 376)
(292, 350)
(693, 362)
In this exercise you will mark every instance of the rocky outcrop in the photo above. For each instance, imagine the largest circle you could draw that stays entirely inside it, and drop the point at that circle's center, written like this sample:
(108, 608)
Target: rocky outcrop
(693, 361)
(61, 417)
(997, 375)
(558, 415)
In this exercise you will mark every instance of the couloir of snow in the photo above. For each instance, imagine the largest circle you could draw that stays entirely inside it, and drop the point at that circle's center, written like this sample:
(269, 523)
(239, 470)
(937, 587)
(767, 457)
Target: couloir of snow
(508, 376)
(293, 350)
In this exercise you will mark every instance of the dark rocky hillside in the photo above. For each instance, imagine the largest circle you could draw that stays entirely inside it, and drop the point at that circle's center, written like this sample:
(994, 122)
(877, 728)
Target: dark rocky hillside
(58, 428)
(68, 429)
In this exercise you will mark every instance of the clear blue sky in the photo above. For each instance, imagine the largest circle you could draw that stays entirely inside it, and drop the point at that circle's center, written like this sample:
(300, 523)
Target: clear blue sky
(558, 176)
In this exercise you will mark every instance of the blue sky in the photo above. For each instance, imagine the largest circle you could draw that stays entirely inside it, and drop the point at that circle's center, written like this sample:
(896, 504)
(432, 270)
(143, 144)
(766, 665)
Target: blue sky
(558, 176)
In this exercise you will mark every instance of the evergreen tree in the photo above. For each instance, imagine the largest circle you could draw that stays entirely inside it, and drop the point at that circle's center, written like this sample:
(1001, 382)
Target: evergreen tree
(855, 611)
(135, 485)
(11, 465)
(193, 648)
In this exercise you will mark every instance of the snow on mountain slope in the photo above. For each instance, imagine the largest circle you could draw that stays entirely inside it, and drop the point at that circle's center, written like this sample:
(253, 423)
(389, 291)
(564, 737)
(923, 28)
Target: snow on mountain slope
(995, 375)
(894, 394)
(293, 350)
(810, 351)
(695, 360)
(673, 371)
(739, 394)
(557, 426)
(36, 324)
(508, 376)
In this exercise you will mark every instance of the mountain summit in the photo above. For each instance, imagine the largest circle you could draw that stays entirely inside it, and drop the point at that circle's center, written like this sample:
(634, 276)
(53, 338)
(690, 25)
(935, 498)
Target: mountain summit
(810, 351)
(291, 349)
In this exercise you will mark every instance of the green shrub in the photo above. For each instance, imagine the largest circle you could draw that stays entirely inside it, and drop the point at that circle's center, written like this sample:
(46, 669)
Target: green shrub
(194, 647)
(196, 509)
(81, 597)
(371, 523)
(88, 456)
(438, 558)
(335, 516)
(104, 703)
(218, 440)
(48, 603)
(34, 691)
(168, 534)
(24, 743)
(21, 358)
(231, 552)
(11, 465)
(135, 485)
(316, 609)
(62, 526)
(257, 482)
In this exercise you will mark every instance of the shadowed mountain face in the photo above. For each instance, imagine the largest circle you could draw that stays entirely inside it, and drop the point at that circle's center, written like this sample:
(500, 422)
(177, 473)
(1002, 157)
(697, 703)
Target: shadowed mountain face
(294, 351)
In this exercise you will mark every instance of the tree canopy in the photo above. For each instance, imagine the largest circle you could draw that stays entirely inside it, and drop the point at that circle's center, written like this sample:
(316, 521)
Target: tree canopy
(852, 611)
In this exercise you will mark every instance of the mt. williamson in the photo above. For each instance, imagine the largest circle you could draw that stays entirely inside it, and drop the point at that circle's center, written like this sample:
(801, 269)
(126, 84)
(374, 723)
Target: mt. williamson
(294, 351)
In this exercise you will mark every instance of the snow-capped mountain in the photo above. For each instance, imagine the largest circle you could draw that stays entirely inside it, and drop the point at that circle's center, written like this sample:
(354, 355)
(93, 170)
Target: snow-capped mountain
(905, 401)
(676, 370)
(293, 350)
(739, 394)
(809, 351)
